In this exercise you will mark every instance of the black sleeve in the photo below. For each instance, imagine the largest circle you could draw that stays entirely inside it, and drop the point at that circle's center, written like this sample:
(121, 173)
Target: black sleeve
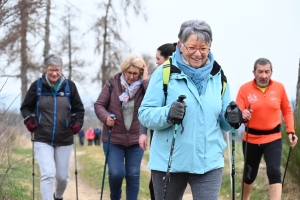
(29, 103)
(76, 103)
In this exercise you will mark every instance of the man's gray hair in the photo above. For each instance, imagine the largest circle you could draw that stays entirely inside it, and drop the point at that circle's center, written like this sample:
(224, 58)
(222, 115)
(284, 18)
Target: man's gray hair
(200, 28)
(263, 62)
(54, 60)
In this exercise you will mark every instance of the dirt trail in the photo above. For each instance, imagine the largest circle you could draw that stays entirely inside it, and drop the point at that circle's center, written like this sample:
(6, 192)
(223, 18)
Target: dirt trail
(85, 192)
(88, 193)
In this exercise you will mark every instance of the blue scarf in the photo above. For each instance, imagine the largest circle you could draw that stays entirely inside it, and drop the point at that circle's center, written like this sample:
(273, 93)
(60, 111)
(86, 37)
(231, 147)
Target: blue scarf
(200, 75)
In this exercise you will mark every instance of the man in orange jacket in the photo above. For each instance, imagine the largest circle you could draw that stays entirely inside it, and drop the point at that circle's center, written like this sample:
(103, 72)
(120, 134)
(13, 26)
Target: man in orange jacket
(263, 101)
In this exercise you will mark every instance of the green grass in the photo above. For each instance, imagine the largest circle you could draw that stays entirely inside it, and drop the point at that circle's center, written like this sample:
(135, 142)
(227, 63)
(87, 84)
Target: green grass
(260, 189)
(91, 161)
(18, 181)
(226, 192)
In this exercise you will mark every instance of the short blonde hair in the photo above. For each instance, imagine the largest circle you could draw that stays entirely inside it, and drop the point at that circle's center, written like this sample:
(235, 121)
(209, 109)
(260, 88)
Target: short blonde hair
(132, 61)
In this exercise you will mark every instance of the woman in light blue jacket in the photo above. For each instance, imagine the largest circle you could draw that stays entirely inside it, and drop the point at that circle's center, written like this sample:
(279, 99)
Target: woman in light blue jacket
(197, 158)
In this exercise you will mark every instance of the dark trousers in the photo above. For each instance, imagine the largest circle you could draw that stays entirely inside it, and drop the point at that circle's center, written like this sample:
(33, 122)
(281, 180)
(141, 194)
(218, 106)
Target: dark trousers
(81, 141)
(90, 142)
(272, 155)
(97, 140)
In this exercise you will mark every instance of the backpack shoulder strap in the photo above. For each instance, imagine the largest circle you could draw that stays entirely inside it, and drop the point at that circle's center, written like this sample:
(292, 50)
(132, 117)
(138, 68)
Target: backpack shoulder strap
(223, 82)
(166, 77)
(67, 90)
(216, 69)
(39, 86)
(168, 69)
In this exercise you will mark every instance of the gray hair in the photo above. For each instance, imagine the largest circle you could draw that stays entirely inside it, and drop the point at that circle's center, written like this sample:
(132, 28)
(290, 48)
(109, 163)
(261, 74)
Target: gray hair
(54, 60)
(200, 28)
(263, 61)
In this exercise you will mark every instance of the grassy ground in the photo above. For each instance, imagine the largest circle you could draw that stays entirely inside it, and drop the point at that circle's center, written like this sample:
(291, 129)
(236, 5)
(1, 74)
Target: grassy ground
(91, 161)
(18, 180)
(260, 190)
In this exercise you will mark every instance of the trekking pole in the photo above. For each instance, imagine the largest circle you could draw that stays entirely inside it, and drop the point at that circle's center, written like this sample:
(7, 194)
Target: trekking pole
(176, 122)
(287, 162)
(245, 156)
(233, 163)
(106, 156)
(229, 156)
(234, 117)
(73, 121)
(32, 118)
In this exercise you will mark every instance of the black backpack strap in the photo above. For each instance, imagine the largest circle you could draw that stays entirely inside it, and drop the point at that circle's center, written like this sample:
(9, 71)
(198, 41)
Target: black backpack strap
(214, 71)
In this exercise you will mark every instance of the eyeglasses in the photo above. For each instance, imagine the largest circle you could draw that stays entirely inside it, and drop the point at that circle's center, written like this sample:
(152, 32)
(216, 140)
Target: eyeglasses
(193, 49)
(50, 71)
(134, 74)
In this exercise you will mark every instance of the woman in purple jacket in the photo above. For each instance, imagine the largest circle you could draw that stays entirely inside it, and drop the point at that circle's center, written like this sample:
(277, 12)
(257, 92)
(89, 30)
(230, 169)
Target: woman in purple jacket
(122, 95)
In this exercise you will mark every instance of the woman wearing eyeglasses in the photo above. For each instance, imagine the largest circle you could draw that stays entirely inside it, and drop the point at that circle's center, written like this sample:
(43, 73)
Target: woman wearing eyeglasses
(197, 158)
(122, 95)
(53, 99)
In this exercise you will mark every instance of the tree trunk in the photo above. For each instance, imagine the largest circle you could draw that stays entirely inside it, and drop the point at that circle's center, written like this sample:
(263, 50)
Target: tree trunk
(104, 70)
(24, 58)
(47, 29)
(69, 45)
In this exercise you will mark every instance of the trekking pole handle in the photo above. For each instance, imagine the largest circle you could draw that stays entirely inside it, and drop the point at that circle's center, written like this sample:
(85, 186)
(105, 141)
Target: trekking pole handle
(293, 136)
(73, 118)
(181, 98)
(32, 117)
(112, 116)
(178, 121)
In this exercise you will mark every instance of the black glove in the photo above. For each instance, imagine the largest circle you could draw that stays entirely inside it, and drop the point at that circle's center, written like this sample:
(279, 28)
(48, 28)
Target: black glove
(176, 112)
(233, 115)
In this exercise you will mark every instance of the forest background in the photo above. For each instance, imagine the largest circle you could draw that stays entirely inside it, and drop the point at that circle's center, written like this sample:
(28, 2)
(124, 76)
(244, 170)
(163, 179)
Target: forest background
(94, 36)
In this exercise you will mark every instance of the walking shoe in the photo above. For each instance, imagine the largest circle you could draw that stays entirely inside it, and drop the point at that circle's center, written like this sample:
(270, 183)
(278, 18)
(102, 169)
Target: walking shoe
(56, 198)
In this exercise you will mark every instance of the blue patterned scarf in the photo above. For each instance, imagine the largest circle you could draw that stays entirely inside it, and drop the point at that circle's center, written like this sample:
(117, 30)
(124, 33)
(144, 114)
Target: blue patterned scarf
(200, 75)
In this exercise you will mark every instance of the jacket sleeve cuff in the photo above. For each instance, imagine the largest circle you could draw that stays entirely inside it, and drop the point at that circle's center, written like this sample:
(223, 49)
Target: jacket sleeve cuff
(143, 130)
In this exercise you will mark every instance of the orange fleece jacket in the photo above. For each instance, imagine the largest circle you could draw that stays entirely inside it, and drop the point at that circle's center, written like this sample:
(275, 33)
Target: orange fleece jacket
(267, 109)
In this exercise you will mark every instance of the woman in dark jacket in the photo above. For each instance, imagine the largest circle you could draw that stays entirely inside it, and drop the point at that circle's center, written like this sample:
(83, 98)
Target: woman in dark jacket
(122, 96)
(47, 108)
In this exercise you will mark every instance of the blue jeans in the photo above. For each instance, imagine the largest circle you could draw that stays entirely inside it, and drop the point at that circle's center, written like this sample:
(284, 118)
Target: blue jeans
(124, 162)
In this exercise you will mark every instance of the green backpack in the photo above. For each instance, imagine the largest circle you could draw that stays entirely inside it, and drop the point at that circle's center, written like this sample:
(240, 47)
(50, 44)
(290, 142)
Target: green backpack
(168, 68)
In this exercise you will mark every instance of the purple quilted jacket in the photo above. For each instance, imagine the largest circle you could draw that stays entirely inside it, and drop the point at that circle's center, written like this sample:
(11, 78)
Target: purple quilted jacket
(108, 102)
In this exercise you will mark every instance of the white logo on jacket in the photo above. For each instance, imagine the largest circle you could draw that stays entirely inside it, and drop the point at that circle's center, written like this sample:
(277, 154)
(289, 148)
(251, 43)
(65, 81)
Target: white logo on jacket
(252, 98)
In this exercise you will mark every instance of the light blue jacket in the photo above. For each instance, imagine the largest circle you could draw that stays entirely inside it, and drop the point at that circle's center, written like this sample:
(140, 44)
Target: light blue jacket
(199, 148)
